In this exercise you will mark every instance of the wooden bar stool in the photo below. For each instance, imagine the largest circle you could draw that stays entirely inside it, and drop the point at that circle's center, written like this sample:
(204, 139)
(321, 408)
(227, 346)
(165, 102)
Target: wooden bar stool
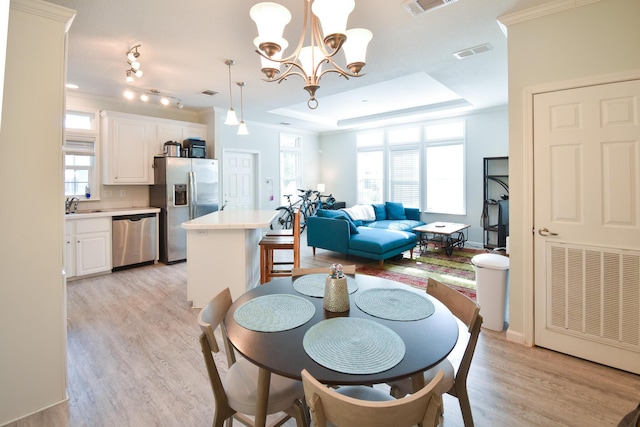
(271, 243)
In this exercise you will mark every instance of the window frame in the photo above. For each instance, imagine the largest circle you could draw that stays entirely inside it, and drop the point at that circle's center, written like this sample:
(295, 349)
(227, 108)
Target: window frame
(91, 135)
(420, 144)
(296, 150)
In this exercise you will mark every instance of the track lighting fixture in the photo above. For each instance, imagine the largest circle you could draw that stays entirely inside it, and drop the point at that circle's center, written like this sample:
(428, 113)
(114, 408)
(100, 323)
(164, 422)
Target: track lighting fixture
(232, 119)
(134, 64)
(242, 128)
(133, 53)
(146, 95)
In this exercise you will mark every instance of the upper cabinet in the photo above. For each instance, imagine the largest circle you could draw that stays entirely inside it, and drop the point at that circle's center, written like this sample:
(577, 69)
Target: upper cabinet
(129, 143)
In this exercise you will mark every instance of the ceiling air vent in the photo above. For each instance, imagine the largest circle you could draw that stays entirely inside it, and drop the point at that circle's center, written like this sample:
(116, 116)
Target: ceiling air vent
(465, 53)
(208, 92)
(417, 7)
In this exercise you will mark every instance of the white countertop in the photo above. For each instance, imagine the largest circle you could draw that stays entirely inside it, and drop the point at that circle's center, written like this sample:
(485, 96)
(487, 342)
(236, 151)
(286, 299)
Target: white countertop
(97, 213)
(232, 220)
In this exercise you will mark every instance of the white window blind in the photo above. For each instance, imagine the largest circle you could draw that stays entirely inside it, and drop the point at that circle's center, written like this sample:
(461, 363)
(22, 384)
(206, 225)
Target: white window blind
(370, 177)
(404, 177)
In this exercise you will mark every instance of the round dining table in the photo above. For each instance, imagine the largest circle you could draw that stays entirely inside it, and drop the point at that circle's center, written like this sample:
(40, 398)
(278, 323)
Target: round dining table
(427, 340)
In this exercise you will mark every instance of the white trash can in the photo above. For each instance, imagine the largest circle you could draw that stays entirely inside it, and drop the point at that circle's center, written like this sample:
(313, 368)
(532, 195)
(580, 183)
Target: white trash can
(491, 289)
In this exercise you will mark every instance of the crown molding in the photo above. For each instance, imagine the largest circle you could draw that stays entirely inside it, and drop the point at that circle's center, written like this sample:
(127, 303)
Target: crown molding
(542, 10)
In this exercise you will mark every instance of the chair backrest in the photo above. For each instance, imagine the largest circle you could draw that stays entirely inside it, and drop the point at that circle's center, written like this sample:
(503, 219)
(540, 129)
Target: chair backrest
(347, 269)
(465, 309)
(219, 394)
(327, 405)
(211, 317)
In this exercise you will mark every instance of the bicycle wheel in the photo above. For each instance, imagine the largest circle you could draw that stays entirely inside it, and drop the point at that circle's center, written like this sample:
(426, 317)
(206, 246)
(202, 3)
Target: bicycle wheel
(283, 220)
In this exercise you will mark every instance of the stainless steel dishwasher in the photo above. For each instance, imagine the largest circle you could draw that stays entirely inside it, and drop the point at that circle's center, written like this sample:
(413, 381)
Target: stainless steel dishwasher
(133, 239)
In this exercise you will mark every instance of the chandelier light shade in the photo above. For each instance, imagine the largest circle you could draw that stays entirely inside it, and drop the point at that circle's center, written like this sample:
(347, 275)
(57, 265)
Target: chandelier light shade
(231, 119)
(315, 47)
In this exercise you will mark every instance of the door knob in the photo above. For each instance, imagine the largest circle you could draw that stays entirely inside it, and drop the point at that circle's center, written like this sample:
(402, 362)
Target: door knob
(545, 232)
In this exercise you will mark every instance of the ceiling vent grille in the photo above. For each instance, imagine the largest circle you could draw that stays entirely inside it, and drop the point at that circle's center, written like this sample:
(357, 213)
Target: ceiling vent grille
(417, 7)
(465, 53)
(208, 92)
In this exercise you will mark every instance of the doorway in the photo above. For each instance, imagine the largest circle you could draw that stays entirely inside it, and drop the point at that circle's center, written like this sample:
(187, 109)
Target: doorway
(239, 177)
(586, 156)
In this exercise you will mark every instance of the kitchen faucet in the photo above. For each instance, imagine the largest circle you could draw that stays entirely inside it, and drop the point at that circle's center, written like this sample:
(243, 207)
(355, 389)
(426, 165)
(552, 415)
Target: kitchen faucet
(69, 202)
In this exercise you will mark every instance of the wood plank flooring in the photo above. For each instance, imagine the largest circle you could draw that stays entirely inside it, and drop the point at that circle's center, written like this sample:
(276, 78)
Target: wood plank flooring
(134, 360)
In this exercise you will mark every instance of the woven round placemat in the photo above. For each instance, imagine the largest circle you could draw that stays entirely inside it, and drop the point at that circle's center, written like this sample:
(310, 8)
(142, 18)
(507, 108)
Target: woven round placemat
(353, 346)
(273, 313)
(394, 304)
(313, 284)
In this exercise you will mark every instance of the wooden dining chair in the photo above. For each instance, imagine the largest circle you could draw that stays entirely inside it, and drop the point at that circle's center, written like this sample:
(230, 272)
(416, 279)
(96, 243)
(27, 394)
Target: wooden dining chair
(235, 394)
(347, 269)
(272, 243)
(468, 312)
(329, 405)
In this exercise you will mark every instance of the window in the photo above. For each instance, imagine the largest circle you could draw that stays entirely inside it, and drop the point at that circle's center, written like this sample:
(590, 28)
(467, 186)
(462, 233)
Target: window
(80, 155)
(404, 165)
(290, 166)
(79, 167)
(445, 168)
(370, 164)
(419, 166)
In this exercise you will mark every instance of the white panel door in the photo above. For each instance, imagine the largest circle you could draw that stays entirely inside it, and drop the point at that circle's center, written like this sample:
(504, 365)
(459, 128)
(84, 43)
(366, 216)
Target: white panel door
(239, 180)
(587, 223)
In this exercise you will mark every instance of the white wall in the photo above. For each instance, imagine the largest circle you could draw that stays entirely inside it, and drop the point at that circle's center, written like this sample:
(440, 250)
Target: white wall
(487, 133)
(265, 139)
(32, 291)
(590, 40)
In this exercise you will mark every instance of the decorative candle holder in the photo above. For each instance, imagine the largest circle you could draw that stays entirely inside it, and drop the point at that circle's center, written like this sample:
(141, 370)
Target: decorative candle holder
(336, 293)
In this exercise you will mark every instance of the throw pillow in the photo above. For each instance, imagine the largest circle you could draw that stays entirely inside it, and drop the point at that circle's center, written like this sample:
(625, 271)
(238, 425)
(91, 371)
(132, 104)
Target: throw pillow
(395, 210)
(381, 211)
(325, 213)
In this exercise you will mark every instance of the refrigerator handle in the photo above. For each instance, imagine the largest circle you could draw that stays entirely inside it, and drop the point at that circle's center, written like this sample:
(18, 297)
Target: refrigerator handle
(192, 195)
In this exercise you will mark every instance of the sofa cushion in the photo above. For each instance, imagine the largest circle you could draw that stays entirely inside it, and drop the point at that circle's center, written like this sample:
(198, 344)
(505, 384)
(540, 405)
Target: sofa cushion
(377, 241)
(338, 214)
(405, 225)
(380, 211)
(395, 210)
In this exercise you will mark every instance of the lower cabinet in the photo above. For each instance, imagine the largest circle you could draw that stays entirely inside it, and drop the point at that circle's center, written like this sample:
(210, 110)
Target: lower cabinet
(88, 246)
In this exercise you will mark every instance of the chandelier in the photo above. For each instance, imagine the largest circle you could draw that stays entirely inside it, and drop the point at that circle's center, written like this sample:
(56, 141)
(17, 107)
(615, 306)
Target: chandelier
(306, 61)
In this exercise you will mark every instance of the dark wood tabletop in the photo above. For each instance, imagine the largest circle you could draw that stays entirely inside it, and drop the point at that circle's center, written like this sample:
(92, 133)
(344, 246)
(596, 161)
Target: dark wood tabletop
(428, 341)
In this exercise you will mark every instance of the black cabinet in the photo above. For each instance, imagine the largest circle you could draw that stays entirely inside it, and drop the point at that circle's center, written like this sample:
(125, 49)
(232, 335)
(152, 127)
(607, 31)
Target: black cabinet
(495, 212)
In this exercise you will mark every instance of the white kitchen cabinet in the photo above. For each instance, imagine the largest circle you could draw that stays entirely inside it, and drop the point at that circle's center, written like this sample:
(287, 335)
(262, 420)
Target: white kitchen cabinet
(130, 142)
(194, 132)
(70, 249)
(126, 142)
(88, 246)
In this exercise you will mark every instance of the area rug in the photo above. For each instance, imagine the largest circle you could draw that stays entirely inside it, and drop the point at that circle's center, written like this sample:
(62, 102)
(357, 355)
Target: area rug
(455, 270)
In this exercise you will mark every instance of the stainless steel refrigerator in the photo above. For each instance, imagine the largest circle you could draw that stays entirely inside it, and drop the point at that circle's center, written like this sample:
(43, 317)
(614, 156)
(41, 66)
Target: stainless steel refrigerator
(184, 189)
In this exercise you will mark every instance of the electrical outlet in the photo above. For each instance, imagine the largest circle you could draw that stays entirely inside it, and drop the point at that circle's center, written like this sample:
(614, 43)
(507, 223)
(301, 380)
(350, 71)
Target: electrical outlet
(123, 193)
(108, 193)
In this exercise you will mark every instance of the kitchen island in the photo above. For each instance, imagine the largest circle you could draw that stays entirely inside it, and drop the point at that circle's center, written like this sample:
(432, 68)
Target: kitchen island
(223, 251)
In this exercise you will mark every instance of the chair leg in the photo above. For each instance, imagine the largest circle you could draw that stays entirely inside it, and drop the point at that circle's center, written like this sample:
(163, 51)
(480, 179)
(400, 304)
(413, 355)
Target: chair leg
(465, 407)
(380, 263)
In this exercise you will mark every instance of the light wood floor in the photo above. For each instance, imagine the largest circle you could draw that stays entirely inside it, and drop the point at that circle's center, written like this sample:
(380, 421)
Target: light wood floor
(134, 360)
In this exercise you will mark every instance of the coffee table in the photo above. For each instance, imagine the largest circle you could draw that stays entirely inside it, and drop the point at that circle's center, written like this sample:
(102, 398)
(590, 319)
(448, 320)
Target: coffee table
(446, 235)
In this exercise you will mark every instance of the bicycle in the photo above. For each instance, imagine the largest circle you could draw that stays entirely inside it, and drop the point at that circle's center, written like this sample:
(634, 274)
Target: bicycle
(284, 218)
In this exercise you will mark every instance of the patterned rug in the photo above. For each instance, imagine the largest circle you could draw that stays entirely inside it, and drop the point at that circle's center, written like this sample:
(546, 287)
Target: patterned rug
(455, 270)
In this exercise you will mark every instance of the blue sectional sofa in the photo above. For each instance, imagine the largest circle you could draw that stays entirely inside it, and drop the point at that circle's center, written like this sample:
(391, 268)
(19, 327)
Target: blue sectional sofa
(382, 234)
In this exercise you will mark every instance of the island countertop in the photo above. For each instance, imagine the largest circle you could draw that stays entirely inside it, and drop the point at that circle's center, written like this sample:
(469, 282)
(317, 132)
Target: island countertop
(232, 220)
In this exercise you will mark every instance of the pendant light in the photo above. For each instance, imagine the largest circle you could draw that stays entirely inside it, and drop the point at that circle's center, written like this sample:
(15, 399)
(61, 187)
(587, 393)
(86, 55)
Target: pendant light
(232, 119)
(242, 129)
